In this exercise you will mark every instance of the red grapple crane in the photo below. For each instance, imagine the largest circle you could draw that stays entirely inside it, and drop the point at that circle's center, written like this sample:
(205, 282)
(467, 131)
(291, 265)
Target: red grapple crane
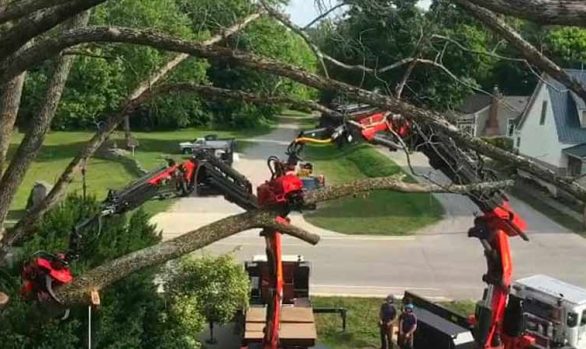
(496, 324)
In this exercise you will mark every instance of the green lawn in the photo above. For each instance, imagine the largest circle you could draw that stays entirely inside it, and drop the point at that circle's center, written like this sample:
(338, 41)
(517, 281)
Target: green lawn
(381, 212)
(362, 330)
(60, 147)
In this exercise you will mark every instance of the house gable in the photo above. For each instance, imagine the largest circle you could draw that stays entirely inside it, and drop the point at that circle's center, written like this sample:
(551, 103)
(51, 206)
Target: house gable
(537, 140)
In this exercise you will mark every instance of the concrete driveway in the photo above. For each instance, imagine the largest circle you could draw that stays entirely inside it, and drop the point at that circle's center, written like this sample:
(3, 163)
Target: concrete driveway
(439, 262)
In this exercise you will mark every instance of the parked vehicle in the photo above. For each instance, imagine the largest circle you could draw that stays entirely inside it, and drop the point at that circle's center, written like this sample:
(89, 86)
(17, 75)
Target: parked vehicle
(222, 148)
(548, 312)
(554, 312)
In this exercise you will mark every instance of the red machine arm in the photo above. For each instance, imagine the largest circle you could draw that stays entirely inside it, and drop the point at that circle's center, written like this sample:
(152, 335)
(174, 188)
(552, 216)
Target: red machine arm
(493, 228)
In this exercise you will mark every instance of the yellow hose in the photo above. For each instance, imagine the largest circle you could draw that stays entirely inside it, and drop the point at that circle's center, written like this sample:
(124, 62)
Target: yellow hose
(313, 140)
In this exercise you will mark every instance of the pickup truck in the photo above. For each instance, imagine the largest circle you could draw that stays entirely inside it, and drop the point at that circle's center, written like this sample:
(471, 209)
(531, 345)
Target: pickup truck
(222, 147)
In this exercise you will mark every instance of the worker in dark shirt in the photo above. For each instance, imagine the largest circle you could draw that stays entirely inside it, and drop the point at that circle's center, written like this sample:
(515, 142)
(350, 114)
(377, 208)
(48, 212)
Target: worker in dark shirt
(407, 327)
(387, 316)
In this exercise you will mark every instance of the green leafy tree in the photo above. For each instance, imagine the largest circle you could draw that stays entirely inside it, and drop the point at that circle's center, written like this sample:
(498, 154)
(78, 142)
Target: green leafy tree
(219, 283)
(126, 317)
(104, 76)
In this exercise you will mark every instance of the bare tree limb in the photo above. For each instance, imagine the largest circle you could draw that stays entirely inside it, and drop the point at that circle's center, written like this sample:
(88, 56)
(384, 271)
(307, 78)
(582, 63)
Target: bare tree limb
(40, 124)
(531, 54)
(324, 15)
(104, 275)
(38, 23)
(433, 119)
(136, 98)
(406, 75)
(394, 184)
(20, 8)
(561, 12)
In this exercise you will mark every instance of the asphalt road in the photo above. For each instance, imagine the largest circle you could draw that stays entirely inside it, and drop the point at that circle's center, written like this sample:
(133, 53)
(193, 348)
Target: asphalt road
(438, 262)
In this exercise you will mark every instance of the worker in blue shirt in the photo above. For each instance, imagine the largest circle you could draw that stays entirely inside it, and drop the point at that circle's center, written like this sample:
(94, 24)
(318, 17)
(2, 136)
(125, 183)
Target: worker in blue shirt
(387, 316)
(407, 327)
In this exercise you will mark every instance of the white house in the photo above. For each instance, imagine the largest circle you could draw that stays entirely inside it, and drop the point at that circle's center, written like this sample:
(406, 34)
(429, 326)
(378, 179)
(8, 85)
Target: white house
(482, 115)
(552, 130)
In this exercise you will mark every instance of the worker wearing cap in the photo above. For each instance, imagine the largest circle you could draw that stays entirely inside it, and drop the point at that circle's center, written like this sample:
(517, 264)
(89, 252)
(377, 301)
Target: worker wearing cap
(387, 316)
(407, 327)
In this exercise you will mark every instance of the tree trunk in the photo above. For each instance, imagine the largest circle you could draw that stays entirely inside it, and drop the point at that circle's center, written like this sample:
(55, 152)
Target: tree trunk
(100, 137)
(10, 94)
(33, 140)
(561, 12)
(528, 51)
(127, 133)
(9, 105)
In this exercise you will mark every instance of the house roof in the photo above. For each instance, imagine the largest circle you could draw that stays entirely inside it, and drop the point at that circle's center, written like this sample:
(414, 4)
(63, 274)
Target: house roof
(474, 103)
(577, 151)
(478, 102)
(515, 103)
(565, 109)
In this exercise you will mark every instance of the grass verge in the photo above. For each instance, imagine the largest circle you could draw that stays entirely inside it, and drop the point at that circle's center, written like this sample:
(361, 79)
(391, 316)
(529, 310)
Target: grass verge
(362, 330)
(60, 147)
(381, 212)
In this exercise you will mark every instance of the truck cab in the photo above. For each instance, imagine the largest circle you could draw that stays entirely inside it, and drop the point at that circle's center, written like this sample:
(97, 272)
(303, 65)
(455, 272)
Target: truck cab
(554, 311)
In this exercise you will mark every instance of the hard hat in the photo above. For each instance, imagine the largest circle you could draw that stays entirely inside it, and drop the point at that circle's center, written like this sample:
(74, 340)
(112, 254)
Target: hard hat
(409, 306)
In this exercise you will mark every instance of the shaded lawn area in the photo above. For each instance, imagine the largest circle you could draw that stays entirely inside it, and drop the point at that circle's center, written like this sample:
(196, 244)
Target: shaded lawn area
(362, 330)
(60, 147)
(304, 120)
(380, 212)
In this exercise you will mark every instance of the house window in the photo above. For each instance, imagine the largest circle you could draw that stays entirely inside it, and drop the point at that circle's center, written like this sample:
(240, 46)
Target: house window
(518, 142)
(543, 112)
(510, 127)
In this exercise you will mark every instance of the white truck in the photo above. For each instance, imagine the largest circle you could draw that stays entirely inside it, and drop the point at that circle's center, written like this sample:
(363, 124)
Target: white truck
(222, 148)
(554, 311)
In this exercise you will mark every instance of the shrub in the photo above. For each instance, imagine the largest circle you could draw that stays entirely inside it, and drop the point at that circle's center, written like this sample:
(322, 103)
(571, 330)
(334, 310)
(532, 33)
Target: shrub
(219, 283)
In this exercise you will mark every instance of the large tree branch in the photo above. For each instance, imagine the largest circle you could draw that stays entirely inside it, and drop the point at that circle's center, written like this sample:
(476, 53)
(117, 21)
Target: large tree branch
(528, 51)
(221, 93)
(435, 120)
(562, 12)
(393, 184)
(22, 8)
(97, 279)
(136, 98)
(79, 291)
(37, 23)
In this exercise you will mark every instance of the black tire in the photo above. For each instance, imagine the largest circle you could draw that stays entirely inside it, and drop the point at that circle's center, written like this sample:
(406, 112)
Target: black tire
(186, 151)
